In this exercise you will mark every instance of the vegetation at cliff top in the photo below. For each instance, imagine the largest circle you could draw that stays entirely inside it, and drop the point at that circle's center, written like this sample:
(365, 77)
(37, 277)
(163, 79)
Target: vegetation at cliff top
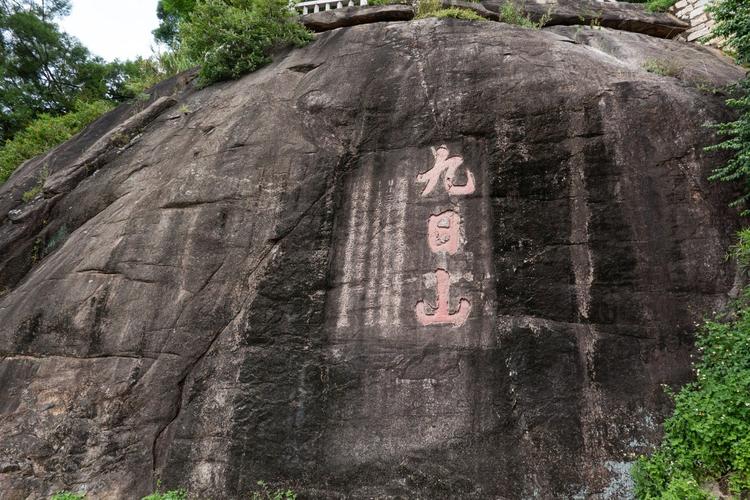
(513, 14)
(433, 8)
(654, 5)
(170, 14)
(458, 13)
(659, 5)
(233, 37)
(51, 87)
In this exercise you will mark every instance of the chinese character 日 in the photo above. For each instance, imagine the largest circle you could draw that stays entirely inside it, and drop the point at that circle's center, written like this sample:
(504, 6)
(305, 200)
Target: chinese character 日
(443, 232)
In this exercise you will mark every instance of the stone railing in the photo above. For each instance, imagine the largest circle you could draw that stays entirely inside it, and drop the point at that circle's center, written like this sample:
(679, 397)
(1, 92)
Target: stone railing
(318, 5)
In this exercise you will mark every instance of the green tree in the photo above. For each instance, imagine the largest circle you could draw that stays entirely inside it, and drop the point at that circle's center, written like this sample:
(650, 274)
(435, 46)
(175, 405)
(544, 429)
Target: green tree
(51, 86)
(733, 23)
(170, 14)
(43, 70)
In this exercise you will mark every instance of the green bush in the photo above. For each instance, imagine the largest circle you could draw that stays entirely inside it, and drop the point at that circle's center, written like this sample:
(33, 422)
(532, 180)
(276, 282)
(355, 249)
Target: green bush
(659, 5)
(737, 169)
(733, 24)
(167, 495)
(452, 12)
(232, 38)
(458, 13)
(662, 67)
(707, 438)
(46, 132)
(142, 74)
(67, 495)
(512, 13)
(425, 8)
(265, 492)
(34, 191)
(654, 5)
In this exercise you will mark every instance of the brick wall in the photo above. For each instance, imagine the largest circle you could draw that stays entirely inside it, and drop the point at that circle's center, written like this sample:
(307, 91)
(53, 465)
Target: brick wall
(693, 11)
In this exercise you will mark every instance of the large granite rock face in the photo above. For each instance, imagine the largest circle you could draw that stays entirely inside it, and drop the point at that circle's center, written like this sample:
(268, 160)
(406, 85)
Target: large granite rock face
(417, 259)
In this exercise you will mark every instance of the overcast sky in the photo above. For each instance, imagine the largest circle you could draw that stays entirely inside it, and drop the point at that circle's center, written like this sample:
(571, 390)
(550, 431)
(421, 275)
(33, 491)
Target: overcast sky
(113, 28)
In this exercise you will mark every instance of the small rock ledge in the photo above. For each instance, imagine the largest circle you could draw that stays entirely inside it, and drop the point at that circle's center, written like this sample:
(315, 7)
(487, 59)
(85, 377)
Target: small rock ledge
(624, 17)
(353, 16)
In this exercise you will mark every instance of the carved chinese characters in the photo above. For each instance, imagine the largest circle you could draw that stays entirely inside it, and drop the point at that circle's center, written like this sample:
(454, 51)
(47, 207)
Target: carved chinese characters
(440, 315)
(443, 237)
(449, 165)
(443, 232)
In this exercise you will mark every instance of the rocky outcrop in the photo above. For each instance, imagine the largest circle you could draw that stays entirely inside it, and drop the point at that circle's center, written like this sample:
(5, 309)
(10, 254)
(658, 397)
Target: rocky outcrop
(619, 16)
(421, 259)
(615, 15)
(352, 16)
(703, 67)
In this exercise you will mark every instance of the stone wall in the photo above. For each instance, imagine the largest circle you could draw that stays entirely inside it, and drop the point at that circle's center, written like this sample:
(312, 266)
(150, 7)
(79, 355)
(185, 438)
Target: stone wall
(701, 22)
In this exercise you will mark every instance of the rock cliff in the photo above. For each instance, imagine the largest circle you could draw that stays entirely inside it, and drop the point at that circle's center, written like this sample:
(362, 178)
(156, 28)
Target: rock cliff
(432, 259)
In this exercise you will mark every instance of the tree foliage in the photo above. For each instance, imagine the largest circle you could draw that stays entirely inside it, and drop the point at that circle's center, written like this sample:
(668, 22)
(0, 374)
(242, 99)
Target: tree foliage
(170, 14)
(46, 71)
(43, 70)
(654, 5)
(233, 37)
(51, 86)
(45, 132)
(733, 23)
(737, 132)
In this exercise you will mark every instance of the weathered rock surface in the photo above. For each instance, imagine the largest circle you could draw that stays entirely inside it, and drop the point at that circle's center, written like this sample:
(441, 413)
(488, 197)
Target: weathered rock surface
(352, 16)
(617, 15)
(232, 295)
(704, 67)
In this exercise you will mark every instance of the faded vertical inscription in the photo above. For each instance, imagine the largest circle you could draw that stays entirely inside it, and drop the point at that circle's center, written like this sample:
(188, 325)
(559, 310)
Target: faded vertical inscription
(374, 252)
(443, 236)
